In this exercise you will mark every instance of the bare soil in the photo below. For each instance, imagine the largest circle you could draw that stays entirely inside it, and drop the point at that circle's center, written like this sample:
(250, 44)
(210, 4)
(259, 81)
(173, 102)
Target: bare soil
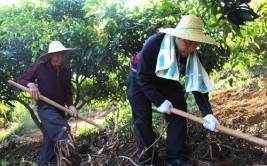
(242, 108)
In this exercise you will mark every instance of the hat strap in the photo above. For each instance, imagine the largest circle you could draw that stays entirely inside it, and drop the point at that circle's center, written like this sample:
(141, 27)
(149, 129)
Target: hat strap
(190, 28)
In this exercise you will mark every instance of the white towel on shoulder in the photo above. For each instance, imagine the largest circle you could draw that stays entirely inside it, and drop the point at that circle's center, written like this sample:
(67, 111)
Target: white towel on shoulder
(196, 78)
(167, 66)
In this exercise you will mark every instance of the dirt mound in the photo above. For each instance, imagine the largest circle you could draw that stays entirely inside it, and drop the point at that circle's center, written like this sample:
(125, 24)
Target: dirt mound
(244, 108)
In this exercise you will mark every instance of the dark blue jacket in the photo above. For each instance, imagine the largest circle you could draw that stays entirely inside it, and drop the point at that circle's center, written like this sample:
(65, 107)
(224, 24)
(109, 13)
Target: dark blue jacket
(150, 83)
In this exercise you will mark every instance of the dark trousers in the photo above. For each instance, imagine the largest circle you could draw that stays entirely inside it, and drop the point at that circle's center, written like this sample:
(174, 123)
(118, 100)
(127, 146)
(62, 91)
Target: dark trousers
(54, 122)
(142, 117)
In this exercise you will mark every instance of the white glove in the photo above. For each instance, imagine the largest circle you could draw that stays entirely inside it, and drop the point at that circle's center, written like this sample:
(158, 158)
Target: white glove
(165, 107)
(212, 122)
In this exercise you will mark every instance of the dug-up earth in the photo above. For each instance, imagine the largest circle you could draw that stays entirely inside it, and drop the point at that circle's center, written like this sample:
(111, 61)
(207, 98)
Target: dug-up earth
(243, 109)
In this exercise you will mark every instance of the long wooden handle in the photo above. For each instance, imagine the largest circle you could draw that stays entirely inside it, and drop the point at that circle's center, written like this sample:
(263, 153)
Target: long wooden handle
(57, 105)
(222, 128)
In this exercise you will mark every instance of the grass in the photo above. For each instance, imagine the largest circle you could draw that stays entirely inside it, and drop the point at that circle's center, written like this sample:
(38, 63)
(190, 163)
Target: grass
(83, 128)
(5, 133)
(22, 123)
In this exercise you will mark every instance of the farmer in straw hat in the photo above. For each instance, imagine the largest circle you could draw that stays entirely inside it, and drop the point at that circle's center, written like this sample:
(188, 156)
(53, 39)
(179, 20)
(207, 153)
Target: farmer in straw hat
(155, 78)
(53, 82)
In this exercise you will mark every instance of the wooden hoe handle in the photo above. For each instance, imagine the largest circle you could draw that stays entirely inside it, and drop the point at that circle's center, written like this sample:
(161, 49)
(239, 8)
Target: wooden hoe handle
(222, 128)
(57, 105)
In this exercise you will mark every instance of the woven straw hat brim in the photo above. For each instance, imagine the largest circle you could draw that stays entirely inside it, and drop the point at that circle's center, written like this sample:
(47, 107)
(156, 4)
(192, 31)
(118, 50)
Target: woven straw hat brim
(67, 51)
(196, 35)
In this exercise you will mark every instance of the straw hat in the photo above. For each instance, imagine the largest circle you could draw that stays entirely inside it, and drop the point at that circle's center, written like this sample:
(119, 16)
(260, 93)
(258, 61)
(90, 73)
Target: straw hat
(190, 27)
(54, 47)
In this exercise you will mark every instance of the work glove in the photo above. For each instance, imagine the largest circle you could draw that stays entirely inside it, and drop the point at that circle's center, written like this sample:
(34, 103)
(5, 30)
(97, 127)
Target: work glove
(165, 107)
(212, 122)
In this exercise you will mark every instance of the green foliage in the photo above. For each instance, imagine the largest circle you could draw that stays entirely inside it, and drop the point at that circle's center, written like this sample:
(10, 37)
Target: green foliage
(22, 115)
(86, 129)
(214, 58)
(238, 12)
(18, 120)
(120, 120)
(191, 104)
(247, 52)
(158, 121)
(62, 9)
(4, 163)
(4, 116)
